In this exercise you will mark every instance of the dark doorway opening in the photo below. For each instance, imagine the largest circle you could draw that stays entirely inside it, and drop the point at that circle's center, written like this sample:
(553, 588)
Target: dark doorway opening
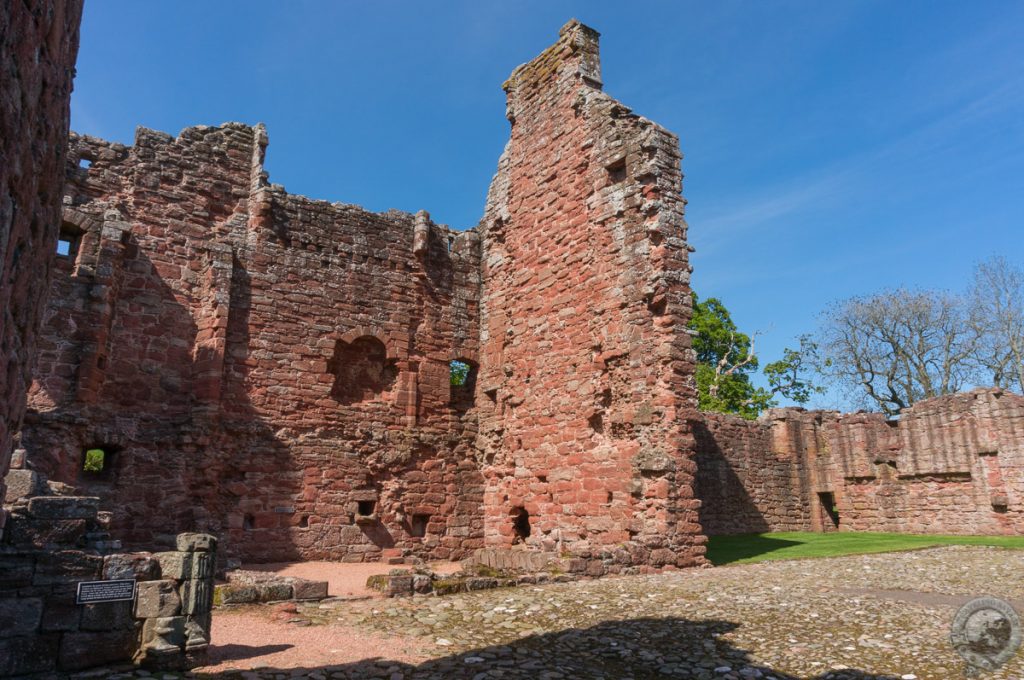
(520, 524)
(830, 519)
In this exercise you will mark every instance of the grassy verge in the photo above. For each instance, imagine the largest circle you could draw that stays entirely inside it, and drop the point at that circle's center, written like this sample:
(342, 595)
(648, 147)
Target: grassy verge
(792, 545)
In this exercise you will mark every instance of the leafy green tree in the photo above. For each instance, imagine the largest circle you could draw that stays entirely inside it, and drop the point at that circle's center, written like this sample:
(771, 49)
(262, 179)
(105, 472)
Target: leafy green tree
(94, 460)
(726, 361)
(459, 373)
(787, 376)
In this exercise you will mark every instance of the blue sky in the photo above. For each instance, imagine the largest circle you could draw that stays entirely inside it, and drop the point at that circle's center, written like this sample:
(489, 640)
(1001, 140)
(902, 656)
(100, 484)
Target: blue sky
(831, 148)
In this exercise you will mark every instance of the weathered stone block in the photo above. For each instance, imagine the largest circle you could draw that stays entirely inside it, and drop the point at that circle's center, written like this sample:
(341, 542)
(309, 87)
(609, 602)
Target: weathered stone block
(196, 596)
(139, 566)
(164, 634)
(16, 570)
(63, 507)
(196, 543)
(236, 594)
(66, 565)
(400, 583)
(481, 583)
(157, 599)
(21, 484)
(650, 460)
(20, 616)
(25, 655)
(61, 614)
(18, 459)
(421, 584)
(176, 565)
(197, 631)
(309, 590)
(84, 650)
(46, 533)
(274, 591)
(107, 616)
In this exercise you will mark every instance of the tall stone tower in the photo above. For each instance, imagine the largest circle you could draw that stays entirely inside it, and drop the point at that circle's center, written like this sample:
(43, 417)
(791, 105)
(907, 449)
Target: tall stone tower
(585, 360)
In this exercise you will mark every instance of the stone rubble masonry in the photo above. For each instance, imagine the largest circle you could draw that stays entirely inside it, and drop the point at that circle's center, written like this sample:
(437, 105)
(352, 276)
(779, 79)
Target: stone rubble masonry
(43, 630)
(948, 465)
(745, 485)
(245, 586)
(275, 370)
(38, 46)
(585, 365)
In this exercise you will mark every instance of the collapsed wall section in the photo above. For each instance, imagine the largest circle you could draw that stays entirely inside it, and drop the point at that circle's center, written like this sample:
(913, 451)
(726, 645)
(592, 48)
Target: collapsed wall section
(262, 366)
(585, 362)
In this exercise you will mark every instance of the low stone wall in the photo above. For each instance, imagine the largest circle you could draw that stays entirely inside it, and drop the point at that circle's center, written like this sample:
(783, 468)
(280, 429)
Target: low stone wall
(421, 581)
(246, 587)
(53, 543)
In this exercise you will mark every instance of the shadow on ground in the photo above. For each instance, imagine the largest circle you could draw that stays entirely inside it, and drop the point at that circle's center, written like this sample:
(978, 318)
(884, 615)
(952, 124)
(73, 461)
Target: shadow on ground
(727, 549)
(614, 650)
(235, 652)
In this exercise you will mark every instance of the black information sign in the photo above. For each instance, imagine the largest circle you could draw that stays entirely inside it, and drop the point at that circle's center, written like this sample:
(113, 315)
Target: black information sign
(105, 591)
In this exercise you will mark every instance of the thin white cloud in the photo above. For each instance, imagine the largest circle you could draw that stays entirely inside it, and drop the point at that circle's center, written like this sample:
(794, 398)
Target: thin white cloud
(844, 180)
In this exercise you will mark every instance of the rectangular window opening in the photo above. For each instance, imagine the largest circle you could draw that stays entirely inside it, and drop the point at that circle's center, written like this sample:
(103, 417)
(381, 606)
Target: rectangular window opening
(98, 463)
(617, 171)
(418, 526)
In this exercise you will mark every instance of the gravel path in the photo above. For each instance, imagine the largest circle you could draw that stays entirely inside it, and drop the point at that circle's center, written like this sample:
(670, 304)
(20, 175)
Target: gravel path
(873, 616)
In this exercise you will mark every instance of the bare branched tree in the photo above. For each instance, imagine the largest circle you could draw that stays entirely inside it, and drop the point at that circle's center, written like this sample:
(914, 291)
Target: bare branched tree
(997, 314)
(739, 354)
(898, 347)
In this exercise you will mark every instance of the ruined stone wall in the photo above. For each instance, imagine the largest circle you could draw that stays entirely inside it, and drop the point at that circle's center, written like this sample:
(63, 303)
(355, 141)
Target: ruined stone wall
(275, 369)
(744, 482)
(38, 47)
(585, 362)
(55, 542)
(258, 365)
(949, 465)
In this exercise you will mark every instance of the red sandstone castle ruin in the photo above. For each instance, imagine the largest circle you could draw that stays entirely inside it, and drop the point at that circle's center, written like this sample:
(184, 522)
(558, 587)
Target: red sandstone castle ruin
(275, 370)
(218, 355)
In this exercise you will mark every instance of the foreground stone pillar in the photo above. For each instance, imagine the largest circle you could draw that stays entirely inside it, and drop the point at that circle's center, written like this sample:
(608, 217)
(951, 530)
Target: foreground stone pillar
(176, 630)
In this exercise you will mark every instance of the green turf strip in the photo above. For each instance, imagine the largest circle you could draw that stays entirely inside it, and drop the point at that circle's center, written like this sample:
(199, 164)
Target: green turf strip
(789, 545)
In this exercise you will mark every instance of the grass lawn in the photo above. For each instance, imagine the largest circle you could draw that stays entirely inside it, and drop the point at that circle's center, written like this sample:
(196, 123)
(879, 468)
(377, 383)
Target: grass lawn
(797, 544)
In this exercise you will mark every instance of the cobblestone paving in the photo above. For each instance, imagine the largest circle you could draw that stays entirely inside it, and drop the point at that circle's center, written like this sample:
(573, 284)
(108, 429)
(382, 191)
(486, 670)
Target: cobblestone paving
(876, 616)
